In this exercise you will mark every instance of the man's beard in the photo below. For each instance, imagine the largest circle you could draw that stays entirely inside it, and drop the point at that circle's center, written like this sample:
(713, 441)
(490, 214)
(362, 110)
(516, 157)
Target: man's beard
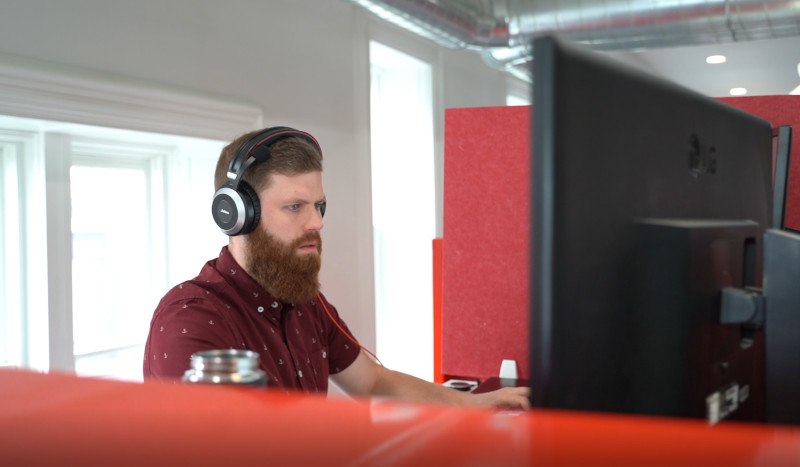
(279, 268)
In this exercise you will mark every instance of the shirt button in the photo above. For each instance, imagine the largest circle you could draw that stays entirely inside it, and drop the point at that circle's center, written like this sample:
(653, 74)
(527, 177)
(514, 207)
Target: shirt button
(300, 373)
(261, 309)
(275, 304)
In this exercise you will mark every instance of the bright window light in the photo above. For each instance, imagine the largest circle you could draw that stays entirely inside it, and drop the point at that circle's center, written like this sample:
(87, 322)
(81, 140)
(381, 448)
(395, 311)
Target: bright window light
(516, 100)
(738, 91)
(111, 256)
(716, 59)
(403, 208)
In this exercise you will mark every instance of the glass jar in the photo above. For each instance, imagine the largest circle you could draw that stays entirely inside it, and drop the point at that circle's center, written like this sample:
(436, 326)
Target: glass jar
(236, 367)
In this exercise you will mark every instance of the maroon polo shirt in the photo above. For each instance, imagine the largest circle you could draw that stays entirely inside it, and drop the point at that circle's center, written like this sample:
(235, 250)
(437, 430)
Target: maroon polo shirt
(224, 308)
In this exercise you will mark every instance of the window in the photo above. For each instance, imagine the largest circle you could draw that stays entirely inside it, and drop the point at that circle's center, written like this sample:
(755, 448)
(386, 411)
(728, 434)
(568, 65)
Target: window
(125, 202)
(518, 92)
(516, 100)
(403, 208)
(111, 265)
(115, 234)
(59, 238)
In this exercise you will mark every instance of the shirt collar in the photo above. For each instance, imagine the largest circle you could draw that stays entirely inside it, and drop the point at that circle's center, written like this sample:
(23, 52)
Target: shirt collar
(247, 287)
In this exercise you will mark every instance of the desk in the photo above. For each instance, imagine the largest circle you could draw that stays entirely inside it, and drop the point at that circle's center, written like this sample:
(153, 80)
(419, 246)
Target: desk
(59, 419)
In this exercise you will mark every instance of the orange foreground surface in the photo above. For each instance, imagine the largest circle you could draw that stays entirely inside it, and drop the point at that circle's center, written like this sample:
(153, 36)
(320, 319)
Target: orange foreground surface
(64, 420)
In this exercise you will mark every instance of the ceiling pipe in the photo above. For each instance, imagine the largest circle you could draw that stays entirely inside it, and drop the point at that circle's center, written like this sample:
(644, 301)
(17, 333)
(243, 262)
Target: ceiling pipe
(502, 30)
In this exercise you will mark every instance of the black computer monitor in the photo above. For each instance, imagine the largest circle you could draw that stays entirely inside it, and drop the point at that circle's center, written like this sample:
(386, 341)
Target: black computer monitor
(647, 200)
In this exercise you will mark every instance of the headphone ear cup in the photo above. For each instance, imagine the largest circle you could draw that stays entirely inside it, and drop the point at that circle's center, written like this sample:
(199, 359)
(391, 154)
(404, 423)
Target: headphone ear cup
(236, 211)
(252, 207)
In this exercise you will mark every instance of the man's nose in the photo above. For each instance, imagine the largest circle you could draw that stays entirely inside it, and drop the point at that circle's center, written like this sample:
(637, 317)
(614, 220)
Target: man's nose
(314, 220)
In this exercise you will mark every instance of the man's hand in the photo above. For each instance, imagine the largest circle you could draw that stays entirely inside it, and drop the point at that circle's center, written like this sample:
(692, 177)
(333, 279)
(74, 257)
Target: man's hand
(503, 398)
(365, 378)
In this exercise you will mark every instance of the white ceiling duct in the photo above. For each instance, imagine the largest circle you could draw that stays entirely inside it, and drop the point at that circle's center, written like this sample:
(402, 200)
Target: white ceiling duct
(502, 30)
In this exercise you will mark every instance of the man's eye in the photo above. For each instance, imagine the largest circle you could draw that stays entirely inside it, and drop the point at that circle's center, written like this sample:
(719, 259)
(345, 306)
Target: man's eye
(293, 207)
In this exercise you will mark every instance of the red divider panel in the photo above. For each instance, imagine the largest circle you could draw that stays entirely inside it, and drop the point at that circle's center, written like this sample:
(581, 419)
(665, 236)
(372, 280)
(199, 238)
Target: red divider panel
(485, 251)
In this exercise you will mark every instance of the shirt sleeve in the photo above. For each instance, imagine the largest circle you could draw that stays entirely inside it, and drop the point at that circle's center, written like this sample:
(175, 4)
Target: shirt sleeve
(343, 346)
(179, 329)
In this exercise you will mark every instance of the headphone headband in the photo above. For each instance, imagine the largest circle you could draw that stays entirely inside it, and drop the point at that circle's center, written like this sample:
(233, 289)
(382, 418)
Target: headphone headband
(256, 149)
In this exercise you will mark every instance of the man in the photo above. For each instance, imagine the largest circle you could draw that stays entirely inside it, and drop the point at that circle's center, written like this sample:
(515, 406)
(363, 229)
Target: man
(262, 292)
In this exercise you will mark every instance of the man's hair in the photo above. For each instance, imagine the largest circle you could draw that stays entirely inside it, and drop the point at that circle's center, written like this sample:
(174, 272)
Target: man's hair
(289, 156)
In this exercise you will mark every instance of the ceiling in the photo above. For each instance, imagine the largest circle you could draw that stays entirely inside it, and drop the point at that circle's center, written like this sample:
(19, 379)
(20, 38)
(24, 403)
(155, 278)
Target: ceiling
(763, 67)
(760, 39)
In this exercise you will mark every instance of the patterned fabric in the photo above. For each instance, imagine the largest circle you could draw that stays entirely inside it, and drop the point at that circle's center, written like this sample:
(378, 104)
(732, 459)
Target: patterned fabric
(224, 308)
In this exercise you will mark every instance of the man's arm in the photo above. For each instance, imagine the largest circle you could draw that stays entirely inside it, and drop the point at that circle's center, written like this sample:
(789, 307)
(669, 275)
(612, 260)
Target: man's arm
(179, 329)
(364, 377)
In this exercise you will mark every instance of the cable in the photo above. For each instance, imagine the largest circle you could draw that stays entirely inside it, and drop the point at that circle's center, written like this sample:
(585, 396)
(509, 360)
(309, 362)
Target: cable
(345, 332)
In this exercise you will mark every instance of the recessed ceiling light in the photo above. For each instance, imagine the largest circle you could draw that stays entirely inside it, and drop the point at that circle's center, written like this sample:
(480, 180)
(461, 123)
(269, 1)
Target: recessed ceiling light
(738, 91)
(715, 59)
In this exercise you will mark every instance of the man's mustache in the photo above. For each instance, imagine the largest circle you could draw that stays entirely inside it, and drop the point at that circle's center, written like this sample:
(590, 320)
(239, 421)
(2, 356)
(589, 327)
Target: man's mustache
(310, 237)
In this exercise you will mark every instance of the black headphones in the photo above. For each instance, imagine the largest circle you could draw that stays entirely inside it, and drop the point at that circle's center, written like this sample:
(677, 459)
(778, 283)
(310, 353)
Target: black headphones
(235, 207)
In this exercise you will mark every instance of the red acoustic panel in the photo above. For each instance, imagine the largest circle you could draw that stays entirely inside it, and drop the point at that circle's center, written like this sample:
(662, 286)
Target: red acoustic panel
(780, 110)
(485, 250)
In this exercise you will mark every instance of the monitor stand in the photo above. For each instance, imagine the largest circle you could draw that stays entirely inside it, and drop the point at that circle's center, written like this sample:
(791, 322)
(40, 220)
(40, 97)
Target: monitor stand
(682, 360)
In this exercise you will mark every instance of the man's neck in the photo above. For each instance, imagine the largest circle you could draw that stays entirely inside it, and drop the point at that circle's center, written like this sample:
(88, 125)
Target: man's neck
(236, 247)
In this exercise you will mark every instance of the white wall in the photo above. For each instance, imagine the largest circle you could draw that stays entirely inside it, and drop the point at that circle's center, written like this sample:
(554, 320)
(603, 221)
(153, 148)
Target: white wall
(304, 62)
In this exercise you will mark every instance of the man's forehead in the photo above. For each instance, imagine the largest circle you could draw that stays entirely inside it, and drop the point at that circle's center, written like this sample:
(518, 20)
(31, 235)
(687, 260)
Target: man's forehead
(308, 184)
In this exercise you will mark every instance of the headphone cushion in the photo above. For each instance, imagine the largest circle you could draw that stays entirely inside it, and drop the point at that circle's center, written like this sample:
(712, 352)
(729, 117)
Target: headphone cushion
(252, 207)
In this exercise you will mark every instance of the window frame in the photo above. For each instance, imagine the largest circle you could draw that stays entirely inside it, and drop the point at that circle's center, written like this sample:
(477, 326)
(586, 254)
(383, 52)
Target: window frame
(18, 158)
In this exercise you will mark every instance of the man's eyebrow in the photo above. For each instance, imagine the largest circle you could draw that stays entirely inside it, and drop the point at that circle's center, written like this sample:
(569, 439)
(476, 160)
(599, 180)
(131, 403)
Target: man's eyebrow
(305, 201)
